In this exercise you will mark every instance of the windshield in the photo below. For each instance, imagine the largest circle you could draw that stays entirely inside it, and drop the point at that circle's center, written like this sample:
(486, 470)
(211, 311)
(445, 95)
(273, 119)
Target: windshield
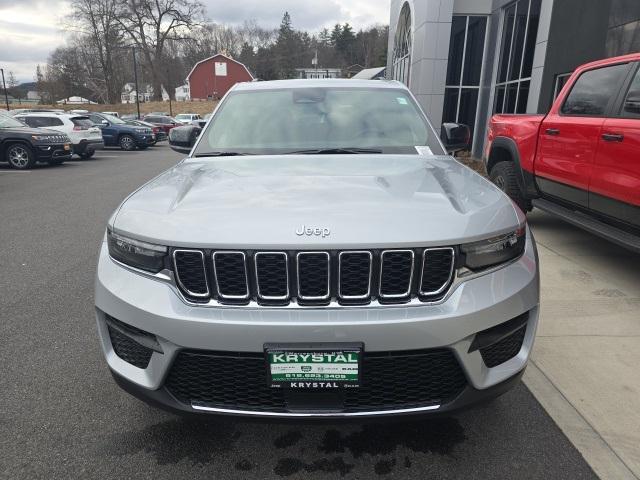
(113, 120)
(9, 122)
(295, 120)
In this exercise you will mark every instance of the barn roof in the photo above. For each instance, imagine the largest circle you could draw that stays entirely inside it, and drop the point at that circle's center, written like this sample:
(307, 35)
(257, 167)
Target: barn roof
(218, 55)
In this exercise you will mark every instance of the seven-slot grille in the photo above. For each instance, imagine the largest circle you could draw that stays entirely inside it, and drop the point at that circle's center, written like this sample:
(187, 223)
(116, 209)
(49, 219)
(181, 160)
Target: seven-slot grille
(314, 277)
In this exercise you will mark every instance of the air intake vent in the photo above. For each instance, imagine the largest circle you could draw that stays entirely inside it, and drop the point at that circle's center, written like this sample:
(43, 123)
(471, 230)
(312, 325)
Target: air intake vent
(437, 271)
(313, 276)
(230, 269)
(272, 276)
(191, 273)
(355, 275)
(396, 273)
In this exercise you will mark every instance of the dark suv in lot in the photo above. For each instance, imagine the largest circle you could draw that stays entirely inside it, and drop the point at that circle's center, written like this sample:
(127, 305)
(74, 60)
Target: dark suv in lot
(22, 146)
(118, 133)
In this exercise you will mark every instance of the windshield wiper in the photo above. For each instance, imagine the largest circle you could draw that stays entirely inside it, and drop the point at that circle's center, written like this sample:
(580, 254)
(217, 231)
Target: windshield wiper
(334, 151)
(220, 154)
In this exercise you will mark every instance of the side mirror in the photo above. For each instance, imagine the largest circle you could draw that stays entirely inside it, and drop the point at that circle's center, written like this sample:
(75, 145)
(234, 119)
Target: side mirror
(182, 139)
(455, 137)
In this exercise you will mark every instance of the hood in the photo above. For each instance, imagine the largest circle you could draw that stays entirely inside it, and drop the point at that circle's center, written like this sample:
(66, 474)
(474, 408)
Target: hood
(362, 200)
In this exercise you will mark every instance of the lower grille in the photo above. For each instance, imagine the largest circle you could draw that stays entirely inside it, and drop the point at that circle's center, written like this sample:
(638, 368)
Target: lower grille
(390, 380)
(129, 350)
(505, 349)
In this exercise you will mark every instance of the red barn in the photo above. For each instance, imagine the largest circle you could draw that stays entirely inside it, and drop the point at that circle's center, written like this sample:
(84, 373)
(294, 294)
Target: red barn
(212, 77)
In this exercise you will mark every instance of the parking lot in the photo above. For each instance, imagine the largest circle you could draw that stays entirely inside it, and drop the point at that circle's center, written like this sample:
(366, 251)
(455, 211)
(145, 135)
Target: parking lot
(62, 416)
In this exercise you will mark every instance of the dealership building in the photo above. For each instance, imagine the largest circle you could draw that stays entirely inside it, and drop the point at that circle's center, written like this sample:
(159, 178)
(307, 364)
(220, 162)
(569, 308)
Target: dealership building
(467, 59)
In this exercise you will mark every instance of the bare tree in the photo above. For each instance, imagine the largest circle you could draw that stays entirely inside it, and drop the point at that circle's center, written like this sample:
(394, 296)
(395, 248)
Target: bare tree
(151, 24)
(97, 23)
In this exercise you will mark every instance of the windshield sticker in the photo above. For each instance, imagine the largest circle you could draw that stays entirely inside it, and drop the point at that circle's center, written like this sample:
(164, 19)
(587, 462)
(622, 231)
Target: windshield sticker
(402, 100)
(423, 150)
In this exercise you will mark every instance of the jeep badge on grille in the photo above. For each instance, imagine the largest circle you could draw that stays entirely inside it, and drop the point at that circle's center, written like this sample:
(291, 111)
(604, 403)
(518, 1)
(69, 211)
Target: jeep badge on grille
(313, 231)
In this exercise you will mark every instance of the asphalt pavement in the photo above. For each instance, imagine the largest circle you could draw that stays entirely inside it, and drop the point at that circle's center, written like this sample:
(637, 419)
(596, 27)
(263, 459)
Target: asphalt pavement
(62, 416)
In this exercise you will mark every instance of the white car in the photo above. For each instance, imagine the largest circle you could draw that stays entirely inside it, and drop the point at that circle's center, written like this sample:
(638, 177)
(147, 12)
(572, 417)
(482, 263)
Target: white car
(85, 136)
(113, 114)
(187, 118)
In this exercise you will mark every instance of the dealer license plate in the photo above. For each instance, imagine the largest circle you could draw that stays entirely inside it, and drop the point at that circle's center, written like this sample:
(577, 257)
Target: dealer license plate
(314, 367)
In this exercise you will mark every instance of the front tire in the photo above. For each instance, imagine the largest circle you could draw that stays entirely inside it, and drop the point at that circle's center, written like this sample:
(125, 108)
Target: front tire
(504, 176)
(20, 156)
(127, 143)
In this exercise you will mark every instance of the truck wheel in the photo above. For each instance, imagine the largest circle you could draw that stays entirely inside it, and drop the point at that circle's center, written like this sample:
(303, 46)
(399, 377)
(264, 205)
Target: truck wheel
(504, 176)
(20, 156)
(127, 143)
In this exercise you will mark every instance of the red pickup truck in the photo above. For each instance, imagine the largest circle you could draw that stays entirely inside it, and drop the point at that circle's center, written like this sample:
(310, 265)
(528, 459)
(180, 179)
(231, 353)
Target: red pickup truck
(581, 161)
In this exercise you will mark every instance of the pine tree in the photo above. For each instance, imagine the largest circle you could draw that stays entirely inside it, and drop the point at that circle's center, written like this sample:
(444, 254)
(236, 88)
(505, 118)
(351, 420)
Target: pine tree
(285, 48)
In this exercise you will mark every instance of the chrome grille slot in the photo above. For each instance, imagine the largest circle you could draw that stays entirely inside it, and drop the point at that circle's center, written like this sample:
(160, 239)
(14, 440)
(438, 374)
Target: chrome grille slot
(396, 273)
(313, 274)
(272, 275)
(230, 270)
(354, 275)
(437, 271)
(191, 273)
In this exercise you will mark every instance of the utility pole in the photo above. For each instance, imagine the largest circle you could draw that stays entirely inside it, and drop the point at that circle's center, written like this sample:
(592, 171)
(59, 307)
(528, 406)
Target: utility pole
(314, 61)
(135, 76)
(4, 86)
(169, 91)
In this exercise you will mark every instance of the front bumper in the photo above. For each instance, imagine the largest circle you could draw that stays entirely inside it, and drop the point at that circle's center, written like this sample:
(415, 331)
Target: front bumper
(144, 140)
(476, 305)
(53, 151)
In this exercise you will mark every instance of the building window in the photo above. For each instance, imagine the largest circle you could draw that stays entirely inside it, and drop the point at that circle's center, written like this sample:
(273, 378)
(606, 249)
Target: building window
(466, 51)
(559, 83)
(519, 31)
(401, 60)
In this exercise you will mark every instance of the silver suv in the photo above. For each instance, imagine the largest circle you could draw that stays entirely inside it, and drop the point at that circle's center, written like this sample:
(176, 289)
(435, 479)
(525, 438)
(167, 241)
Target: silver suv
(317, 254)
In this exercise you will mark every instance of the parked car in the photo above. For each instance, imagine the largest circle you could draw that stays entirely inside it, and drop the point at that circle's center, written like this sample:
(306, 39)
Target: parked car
(17, 111)
(159, 134)
(118, 133)
(580, 161)
(128, 116)
(165, 122)
(22, 146)
(187, 118)
(317, 255)
(85, 137)
(113, 114)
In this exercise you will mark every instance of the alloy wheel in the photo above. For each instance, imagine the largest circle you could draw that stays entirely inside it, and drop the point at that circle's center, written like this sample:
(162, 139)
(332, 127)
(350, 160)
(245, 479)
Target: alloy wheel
(127, 143)
(18, 156)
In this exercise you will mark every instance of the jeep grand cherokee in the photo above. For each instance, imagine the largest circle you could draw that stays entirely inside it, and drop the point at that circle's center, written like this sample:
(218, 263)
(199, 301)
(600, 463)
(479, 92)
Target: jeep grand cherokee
(317, 254)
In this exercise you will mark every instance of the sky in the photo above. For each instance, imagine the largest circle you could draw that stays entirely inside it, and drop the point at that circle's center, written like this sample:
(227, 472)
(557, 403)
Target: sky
(31, 29)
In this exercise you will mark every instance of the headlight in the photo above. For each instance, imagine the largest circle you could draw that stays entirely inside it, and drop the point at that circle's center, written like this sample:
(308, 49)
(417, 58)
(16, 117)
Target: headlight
(494, 251)
(135, 253)
(43, 138)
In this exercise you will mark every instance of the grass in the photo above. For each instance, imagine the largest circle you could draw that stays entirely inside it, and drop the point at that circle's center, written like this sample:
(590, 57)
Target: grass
(130, 108)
